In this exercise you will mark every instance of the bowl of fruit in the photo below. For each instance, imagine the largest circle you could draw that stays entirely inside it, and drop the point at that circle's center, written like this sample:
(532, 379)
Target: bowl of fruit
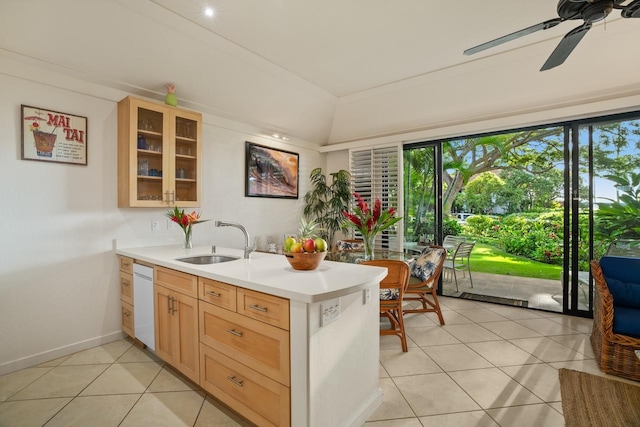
(305, 251)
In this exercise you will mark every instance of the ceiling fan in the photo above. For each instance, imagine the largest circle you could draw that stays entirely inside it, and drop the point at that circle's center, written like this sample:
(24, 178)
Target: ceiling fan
(589, 11)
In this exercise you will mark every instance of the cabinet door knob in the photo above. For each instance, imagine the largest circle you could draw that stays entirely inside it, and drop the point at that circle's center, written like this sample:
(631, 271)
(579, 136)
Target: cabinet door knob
(258, 308)
(234, 332)
(233, 379)
(212, 293)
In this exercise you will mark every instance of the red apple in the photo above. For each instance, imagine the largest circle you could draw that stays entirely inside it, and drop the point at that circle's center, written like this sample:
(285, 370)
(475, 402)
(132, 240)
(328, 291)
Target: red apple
(296, 247)
(309, 245)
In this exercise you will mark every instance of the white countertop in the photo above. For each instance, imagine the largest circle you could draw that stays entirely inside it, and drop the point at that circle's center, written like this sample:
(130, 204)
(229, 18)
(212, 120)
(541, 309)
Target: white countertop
(264, 272)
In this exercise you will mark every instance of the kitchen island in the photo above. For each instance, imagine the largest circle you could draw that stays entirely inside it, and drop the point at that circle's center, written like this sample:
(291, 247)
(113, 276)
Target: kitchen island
(333, 330)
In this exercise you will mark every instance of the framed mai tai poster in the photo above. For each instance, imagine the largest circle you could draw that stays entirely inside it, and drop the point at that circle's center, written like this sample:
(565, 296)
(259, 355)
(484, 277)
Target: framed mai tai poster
(52, 136)
(271, 172)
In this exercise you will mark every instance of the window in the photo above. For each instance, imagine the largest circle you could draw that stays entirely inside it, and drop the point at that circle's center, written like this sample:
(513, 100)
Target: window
(376, 172)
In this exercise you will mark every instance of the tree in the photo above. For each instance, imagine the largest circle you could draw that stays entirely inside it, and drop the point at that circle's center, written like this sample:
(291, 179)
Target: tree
(419, 190)
(480, 194)
(536, 150)
(525, 191)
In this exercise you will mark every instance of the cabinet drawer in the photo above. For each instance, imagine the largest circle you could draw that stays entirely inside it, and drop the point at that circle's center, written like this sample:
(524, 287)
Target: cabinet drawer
(266, 308)
(126, 287)
(127, 319)
(262, 347)
(126, 264)
(177, 281)
(258, 398)
(217, 293)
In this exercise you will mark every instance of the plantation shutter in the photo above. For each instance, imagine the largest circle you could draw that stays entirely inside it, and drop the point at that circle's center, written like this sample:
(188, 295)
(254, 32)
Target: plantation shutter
(376, 172)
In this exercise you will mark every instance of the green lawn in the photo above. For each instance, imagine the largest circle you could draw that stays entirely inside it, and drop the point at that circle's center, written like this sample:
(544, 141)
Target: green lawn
(489, 259)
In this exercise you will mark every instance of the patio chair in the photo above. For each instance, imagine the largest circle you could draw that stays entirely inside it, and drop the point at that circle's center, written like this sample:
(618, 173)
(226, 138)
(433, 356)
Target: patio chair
(459, 261)
(426, 269)
(451, 243)
(392, 289)
(616, 308)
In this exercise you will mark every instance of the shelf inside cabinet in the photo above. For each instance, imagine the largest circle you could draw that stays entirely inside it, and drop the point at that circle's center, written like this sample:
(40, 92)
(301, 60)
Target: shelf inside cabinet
(149, 152)
(185, 139)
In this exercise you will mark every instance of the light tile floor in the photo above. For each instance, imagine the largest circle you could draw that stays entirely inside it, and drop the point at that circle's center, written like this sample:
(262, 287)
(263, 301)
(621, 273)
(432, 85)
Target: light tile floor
(490, 365)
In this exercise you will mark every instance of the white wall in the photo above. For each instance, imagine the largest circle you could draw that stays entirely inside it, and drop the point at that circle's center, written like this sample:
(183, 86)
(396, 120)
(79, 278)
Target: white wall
(59, 289)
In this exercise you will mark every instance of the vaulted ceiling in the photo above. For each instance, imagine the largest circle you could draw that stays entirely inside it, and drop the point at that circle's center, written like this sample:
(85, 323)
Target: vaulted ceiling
(326, 71)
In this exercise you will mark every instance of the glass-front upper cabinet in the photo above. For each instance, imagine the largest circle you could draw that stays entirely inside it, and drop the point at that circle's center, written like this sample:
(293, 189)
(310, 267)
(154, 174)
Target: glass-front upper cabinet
(159, 155)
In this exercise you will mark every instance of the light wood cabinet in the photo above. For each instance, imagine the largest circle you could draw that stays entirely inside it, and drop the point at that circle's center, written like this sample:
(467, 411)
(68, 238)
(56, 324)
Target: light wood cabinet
(255, 344)
(159, 155)
(258, 398)
(126, 294)
(245, 354)
(176, 320)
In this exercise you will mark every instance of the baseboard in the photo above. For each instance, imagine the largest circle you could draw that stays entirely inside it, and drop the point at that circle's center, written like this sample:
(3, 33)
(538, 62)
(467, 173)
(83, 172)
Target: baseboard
(36, 359)
(367, 409)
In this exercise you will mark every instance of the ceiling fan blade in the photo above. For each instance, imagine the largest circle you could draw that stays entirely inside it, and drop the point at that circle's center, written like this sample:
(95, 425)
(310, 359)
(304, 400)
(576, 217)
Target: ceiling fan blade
(632, 10)
(566, 46)
(532, 29)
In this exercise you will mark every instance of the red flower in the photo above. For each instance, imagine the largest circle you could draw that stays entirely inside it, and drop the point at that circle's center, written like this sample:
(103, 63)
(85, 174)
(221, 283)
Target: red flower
(369, 222)
(377, 207)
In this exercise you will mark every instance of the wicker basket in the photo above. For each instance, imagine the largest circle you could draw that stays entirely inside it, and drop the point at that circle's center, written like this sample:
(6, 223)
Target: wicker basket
(614, 353)
(305, 260)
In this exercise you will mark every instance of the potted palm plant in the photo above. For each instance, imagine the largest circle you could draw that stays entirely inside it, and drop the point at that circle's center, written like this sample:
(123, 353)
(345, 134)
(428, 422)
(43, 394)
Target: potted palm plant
(326, 201)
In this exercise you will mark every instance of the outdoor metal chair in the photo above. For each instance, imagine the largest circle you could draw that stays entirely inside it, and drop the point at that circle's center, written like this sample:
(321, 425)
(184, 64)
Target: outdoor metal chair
(459, 261)
(392, 289)
(451, 243)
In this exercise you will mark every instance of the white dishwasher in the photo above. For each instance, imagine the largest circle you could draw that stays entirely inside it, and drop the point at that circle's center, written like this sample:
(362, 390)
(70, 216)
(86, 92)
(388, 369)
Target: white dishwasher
(143, 318)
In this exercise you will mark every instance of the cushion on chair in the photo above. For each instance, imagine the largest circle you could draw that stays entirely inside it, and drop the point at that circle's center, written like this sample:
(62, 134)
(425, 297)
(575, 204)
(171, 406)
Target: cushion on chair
(624, 294)
(426, 264)
(625, 269)
(350, 245)
(626, 321)
(388, 294)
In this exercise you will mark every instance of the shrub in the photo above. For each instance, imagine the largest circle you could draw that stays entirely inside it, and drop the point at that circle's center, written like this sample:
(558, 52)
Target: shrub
(451, 227)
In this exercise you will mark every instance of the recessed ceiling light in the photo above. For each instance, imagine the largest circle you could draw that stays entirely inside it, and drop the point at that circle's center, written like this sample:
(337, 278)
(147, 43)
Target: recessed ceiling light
(208, 12)
(275, 135)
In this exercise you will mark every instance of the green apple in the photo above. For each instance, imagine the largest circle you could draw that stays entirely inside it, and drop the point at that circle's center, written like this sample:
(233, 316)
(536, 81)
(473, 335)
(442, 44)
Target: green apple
(321, 244)
(289, 241)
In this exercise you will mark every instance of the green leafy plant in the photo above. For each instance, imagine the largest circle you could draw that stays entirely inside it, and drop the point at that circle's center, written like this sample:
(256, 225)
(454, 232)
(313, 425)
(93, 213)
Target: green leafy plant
(620, 219)
(325, 202)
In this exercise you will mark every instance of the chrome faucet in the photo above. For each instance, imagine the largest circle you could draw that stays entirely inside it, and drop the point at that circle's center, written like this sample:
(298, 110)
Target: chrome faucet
(247, 249)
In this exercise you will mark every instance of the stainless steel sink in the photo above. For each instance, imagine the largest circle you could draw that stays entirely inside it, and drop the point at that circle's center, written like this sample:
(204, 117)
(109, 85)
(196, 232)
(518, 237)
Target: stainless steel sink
(207, 259)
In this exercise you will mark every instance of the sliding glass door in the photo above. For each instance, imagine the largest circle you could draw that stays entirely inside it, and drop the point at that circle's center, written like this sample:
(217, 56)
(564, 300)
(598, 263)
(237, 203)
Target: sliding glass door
(538, 203)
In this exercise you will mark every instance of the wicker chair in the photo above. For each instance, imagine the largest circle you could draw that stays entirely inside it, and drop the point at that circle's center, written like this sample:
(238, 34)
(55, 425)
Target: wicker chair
(614, 352)
(423, 283)
(392, 289)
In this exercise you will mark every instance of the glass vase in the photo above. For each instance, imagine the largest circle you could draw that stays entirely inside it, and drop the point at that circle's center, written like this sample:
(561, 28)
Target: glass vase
(369, 242)
(188, 242)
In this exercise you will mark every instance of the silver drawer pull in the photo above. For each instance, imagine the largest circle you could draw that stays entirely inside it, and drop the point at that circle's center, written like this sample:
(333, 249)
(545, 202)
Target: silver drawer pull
(213, 294)
(234, 332)
(258, 308)
(239, 383)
